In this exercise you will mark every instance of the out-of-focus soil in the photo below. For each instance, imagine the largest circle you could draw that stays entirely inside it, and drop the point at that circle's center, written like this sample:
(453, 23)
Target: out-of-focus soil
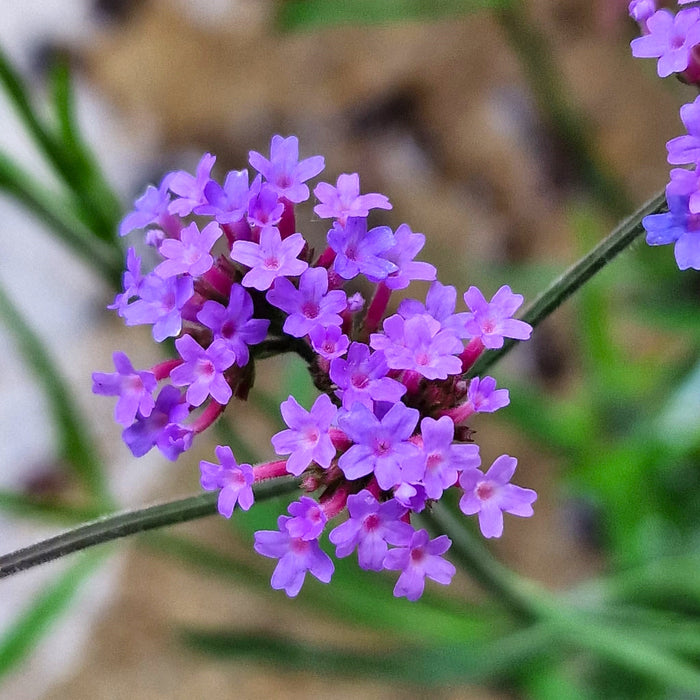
(439, 117)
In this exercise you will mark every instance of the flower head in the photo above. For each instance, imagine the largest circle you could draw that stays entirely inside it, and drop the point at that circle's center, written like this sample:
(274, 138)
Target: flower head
(234, 481)
(491, 321)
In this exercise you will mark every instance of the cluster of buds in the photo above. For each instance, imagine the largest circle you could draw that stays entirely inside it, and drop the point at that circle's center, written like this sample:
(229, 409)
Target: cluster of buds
(386, 435)
(675, 41)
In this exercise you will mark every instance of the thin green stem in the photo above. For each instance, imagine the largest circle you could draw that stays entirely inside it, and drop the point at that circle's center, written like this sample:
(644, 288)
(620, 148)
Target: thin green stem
(578, 274)
(113, 527)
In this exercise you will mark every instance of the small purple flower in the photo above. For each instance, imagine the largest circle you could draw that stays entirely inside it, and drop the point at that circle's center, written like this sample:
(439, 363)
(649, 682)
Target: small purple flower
(361, 378)
(329, 342)
(229, 203)
(189, 255)
(131, 282)
(234, 323)
(484, 397)
(235, 481)
(359, 251)
(150, 208)
(269, 259)
(309, 306)
(308, 519)
(686, 149)
(169, 410)
(492, 321)
(407, 246)
(307, 439)
(678, 226)
(670, 39)
(685, 183)
(161, 304)
(344, 200)
(491, 495)
(419, 344)
(419, 559)
(382, 446)
(189, 188)
(370, 527)
(440, 458)
(641, 10)
(296, 557)
(440, 304)
(284, 171)
(356, 302)
(203, 370)
(265, 207)
(134, 389)
(174, 440)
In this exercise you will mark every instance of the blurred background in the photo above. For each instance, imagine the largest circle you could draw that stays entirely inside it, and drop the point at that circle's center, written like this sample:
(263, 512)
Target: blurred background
(515, 135)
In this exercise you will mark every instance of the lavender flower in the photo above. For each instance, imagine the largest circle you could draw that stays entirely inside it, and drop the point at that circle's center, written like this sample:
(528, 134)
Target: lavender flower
(234, 323)
(150, 208)
(685, 184)
(641, 10)
(407, 245)
(203, 370)
(264, 208)
(361, 378)
(190, 189)
(169, 410)
(670, 39)
(419, 344)
(419, 559)
(382, 446)
(190, 254)
(344, 200)
(284, 171)
(229, 203)
(329, 342)
(440, 304)
(371, 526)
(359, 251)
(134, 389)
(131, 282)
(492, 321)
(307, 438)
(686, 149)
(491, 494)
(308, 519)
(309, 306)
(440, 459)
(269, 259)
(161, 304)
(235, 481)
(678, 226)
(484, 397)
(296, 557)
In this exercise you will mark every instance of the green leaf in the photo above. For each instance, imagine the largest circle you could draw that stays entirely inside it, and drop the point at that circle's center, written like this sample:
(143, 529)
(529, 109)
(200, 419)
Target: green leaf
(34, 623)
(309, 14)
(425, 665)
(76, 445)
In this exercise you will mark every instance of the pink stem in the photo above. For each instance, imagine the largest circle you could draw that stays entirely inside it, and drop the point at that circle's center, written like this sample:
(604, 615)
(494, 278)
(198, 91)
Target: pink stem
(411, 380)
(237, 231)
(163, 369)
(326, 258)
(377, 308)
(474, 348)
(339, 439)
(459, 413)
(332, 505)
(209, 415)
(287, 224)
(270, 470)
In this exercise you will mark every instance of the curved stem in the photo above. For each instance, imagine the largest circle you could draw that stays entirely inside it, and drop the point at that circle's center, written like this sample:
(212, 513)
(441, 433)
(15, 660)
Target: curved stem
(113, 527)
(577, 275)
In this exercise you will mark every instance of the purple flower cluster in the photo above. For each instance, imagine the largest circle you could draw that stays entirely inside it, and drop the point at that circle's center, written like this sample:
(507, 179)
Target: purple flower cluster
(386, 436)
(675, 41)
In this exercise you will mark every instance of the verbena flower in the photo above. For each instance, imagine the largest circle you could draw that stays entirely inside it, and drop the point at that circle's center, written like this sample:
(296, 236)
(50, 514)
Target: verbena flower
(387, 434)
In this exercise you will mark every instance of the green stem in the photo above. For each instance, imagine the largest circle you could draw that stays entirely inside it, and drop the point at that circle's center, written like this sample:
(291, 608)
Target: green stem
(113, 527)
(577, 275)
